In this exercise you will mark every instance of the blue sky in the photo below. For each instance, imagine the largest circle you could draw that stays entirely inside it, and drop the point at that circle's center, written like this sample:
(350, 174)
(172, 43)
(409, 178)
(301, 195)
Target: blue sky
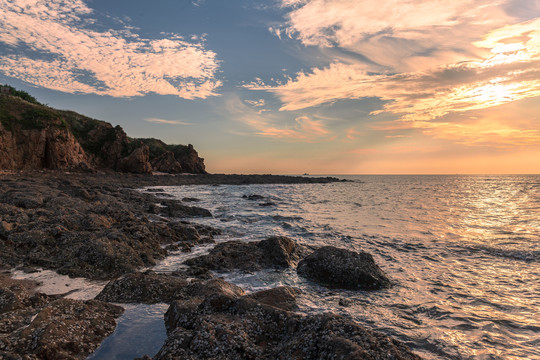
(295, 86)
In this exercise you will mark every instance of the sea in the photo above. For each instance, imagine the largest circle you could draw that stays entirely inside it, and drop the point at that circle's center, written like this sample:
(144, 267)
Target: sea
(463, 253)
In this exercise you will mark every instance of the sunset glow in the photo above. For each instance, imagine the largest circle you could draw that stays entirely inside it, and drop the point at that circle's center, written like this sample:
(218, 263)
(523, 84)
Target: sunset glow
(318, 86)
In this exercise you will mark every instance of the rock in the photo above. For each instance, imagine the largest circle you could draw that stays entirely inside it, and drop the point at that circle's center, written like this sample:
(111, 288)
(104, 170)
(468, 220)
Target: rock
(253, 197)
(341, 268)
(282, 297)
(137, 161)
(151, 288)
(33, 136)
(167, 163)
(190, 199)
(268, 203)
(68, 329)
(176, 209)
(225, 327)
(147, 288)
(274, 252)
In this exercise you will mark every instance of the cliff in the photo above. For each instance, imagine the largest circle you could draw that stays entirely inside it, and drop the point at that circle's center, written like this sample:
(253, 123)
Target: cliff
(34, 136)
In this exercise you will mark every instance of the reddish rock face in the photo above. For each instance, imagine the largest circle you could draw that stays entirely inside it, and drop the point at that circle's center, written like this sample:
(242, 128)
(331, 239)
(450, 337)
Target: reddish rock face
(49, 148)
(136, 162)
(34, 136)
(167, 163)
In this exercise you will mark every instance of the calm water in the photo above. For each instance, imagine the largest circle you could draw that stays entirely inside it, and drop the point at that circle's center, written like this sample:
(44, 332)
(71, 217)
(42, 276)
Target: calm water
(463, 251)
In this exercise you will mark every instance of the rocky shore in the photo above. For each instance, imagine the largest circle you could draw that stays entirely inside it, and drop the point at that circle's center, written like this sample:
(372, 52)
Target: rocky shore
(97, 226)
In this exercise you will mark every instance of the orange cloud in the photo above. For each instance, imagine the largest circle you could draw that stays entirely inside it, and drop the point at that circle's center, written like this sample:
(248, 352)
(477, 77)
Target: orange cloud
(303, 128)
(61, 53)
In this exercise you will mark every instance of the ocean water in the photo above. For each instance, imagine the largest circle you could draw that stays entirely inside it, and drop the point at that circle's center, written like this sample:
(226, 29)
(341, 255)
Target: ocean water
(463, 253)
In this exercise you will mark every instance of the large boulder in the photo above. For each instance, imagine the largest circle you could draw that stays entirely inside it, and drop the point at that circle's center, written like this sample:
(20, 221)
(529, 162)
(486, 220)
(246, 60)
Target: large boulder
(274, 252)
(226, 327)
(341, 268)
(147, 288)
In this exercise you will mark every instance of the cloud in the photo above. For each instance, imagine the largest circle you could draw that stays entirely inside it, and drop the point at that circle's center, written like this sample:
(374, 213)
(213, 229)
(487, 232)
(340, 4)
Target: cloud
(54, 44)
(399, 34)
(300, 128)
(503, 68)
(164, 121)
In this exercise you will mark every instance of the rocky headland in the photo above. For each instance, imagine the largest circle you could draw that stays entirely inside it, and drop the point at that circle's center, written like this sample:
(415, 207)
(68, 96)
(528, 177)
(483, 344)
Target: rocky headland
(34, 136)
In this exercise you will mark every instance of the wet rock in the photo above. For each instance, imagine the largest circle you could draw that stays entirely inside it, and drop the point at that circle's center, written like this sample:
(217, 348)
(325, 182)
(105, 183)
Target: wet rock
(253, 197)
(282, 297)
(147, 288)
(176, 209)
(38, 326)
(274, 252)
(67, 329)
(190, 199)
(225, 327)
(341, 268)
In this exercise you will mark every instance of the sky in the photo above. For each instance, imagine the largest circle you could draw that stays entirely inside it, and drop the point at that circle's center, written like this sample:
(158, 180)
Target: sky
(295, 86)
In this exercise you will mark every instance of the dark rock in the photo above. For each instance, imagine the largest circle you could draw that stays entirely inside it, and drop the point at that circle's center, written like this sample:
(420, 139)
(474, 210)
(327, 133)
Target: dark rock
(176, 209)
(68, 329)
(167, 163)
(225, 327)
(147, 288)
(253, 197)
(190, 199)
(282, 297)
(274, 252)
(137, 162)
(341, 268)
(268, 203)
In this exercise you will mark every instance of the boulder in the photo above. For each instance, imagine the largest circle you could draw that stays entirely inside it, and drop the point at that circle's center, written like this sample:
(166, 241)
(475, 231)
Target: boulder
(274, 252)
(282, 297)
(147, 288)
(174, 208)
(341, 268)
(226, 327)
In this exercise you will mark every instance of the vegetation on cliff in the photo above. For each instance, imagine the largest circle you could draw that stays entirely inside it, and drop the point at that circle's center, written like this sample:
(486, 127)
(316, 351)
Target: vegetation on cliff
(34, 136)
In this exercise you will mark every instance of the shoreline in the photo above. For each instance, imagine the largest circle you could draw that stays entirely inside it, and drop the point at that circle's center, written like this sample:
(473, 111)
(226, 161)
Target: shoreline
(98, 226)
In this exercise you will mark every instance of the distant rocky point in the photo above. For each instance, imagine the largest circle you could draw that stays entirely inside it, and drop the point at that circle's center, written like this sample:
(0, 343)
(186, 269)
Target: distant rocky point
(34, 136)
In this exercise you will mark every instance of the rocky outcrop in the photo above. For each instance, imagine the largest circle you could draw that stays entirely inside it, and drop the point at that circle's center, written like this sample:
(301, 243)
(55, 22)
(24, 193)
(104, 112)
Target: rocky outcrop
(137, 162)
(49, 148)
(34, 136)
(228, 327)
(274, 252)
(341, 268)
(167, 163)
(147, 288)
(38, 326)
(83, 229)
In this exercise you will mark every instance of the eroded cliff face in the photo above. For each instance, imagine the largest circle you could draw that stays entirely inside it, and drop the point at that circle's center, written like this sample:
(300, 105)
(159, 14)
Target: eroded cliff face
(49, 148)
(38, 137)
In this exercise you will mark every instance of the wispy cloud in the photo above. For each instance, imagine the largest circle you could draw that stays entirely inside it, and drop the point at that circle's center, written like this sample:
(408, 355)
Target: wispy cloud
(164, 121)
(51, 44)
(424, 59)
(300, 128)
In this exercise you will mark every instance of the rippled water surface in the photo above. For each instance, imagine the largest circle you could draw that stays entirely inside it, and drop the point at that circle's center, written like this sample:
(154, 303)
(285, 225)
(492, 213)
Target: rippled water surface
(463, 251)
